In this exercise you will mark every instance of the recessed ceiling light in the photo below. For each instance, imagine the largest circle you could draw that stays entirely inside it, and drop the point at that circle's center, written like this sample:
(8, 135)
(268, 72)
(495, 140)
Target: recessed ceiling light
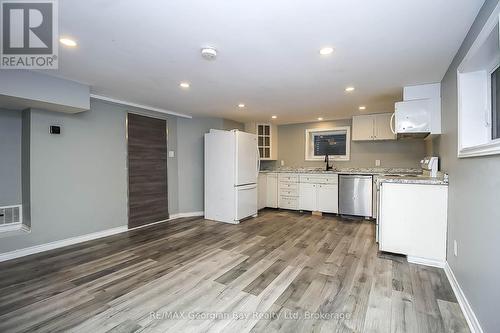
(68, 42)
(184, 85)
(326, 50)
(349, 89)
(241, 105)
(274, 117)
(319, 118)
(362, 107)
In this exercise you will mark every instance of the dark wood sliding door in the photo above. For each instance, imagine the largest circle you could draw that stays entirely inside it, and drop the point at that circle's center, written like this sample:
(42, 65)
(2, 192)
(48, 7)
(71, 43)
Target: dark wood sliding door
(147, 170)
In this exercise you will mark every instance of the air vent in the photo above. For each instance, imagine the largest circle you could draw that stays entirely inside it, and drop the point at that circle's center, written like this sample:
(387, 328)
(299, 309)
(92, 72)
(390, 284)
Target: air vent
(10, 215)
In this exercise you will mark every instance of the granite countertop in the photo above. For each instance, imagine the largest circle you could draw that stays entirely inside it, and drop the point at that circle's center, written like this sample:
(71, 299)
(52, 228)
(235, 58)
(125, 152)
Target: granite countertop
(382, 175)
(367, 171)
(406, 179)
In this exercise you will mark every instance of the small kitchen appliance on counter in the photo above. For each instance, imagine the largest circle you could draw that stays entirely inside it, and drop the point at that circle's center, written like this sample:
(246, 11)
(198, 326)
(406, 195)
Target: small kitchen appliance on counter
(430, 166)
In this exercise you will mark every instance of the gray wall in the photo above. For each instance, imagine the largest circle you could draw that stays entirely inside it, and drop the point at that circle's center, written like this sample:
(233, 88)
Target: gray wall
(401, 153)
(78, 180)
(228, 124)
(10, 157)
(473, 205)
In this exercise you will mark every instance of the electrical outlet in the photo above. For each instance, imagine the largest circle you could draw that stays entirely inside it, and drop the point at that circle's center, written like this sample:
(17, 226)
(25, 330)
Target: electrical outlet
(171, 153)
(282, 163)
(377, 162)
(455, 248)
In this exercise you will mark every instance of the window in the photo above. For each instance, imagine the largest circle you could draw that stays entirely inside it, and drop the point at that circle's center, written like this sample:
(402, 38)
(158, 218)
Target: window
(334, 142)
(478, 93)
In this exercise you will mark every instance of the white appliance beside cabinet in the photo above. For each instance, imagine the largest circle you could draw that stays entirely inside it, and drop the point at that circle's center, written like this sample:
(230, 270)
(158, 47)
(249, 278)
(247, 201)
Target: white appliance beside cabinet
(231, 169)
(419, 114)
(413, 221)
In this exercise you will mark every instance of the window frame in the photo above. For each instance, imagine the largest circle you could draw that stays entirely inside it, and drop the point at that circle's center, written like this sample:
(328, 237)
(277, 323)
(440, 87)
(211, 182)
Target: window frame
(490, 146)
(309, 143)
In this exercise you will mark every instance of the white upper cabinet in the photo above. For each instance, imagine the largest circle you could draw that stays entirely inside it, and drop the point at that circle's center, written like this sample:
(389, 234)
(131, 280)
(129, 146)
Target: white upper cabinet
(362, 128)
(267, 136)
(383, 127)
(372, 127)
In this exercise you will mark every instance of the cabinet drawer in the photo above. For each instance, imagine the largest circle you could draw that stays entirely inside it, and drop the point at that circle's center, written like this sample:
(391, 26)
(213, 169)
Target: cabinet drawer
(288, 177)
(320, 179)
(283, 185)
(287, 202)
(291, 192)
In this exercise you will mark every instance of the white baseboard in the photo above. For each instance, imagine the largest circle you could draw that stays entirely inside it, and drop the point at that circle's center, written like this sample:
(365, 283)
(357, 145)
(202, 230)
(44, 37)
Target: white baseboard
(79, 239)
(188, 214)
(60, 243)
(469, 314)
(426, 262)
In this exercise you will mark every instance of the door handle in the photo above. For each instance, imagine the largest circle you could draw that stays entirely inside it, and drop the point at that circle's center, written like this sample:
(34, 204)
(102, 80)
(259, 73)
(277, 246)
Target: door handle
(393, 130)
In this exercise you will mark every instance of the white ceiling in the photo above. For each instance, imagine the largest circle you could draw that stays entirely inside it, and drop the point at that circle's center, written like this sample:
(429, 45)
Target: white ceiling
(139, 51)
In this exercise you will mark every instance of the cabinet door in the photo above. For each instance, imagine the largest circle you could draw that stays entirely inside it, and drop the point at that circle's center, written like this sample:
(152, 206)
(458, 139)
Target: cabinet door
(328, 198)
(362, 128)
(307, 196)
(272, 191)
(383, 127)
(262, 191)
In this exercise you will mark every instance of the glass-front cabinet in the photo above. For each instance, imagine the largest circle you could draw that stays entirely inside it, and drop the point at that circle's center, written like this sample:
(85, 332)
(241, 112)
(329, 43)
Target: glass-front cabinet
(264, 140)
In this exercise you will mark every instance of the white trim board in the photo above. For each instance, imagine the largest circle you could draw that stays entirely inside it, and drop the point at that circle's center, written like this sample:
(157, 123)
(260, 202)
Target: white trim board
(83, 238)
(469, 314)
(60, 243)
(140, 106)
(426, 262)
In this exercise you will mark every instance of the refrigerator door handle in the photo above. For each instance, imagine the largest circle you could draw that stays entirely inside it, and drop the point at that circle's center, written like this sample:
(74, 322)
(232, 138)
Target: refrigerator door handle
(258, 161)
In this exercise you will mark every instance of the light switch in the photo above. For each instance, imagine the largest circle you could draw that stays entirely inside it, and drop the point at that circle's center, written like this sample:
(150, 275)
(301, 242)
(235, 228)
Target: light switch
(171, 153)
(377, 162)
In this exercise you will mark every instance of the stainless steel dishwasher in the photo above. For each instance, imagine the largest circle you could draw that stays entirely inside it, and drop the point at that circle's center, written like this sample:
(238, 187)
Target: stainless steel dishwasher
(355, 195)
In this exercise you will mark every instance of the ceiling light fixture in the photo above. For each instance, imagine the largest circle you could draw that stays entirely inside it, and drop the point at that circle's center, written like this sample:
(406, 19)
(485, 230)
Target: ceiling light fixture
(209, 53)
(68, 42)
(184, 85)
(349, 89)
(326, 50)
(274, 117)
(362, 107)
(319, 118)
(241, 105)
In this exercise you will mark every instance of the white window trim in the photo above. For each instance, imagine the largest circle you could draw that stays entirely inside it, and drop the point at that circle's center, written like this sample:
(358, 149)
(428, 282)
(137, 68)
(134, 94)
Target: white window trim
(309, 149)
(493, 146)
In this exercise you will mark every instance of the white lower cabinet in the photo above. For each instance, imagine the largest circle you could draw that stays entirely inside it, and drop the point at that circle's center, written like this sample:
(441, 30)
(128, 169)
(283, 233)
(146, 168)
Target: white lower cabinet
(328, 198)
(262, 191)
(271, 190)
(308, 196)
(319, 193)
(314, 192)
(288, 191)
(412, 220)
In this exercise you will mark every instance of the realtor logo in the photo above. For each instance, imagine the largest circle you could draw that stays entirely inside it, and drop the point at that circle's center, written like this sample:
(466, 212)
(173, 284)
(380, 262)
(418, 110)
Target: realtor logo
(29, 34)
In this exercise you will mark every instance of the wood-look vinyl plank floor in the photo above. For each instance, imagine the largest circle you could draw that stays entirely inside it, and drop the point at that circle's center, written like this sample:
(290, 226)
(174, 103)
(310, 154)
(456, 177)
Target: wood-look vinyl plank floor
(280, 272)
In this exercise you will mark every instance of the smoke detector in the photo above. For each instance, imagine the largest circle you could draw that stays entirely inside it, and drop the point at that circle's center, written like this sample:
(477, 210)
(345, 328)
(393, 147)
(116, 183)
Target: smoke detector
(209, 53)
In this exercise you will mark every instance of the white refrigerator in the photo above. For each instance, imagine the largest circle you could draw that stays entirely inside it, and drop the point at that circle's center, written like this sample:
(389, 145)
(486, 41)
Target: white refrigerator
(231, 169)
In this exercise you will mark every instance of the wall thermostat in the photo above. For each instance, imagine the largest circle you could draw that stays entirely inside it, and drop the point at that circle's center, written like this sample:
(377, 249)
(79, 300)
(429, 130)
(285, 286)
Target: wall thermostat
(55, 129)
